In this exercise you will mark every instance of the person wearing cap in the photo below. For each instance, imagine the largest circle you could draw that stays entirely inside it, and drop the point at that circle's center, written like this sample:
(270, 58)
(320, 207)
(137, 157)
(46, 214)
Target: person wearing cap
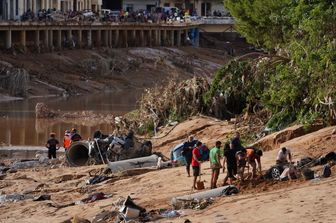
(75, 137)
(52, 145)
(66, 139)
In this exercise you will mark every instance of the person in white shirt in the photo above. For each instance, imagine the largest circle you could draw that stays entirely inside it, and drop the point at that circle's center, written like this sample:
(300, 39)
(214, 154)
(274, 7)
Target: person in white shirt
(284, 156)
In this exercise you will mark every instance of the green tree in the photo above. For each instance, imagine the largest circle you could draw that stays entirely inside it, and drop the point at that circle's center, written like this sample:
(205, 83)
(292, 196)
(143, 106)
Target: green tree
(301, 70)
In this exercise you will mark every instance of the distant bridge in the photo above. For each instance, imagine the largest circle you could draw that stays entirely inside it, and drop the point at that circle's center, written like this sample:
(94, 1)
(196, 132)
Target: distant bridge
(49, 36)
(217, 24)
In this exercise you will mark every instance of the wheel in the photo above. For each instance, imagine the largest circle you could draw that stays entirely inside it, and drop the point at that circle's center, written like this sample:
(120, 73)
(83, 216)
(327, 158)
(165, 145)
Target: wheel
(276, 172)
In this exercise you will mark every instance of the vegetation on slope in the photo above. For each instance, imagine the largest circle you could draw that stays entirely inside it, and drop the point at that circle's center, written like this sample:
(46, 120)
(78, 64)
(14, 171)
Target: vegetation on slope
(296, 80)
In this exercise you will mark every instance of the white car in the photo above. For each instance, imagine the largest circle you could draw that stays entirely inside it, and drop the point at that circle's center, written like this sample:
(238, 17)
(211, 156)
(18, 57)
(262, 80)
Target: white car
(87, 13)
(106, 11)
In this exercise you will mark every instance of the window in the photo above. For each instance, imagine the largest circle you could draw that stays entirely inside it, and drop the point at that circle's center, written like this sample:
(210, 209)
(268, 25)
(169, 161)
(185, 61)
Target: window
(17, 7)
(205, 9)
(129, 7)
(1, 2)
(150, 7)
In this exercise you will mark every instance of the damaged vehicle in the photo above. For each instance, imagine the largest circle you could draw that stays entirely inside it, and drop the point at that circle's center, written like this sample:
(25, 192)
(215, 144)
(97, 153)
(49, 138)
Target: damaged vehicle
(107, 148)
(302, 165)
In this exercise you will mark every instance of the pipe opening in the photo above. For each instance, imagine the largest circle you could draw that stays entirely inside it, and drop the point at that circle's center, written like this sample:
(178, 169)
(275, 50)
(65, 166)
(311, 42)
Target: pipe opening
(78, 154)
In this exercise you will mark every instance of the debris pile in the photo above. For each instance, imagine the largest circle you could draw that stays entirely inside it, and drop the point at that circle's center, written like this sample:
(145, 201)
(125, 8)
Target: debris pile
(307, 168)
(173, 102)
(14, 80)
(202, 199)
(107, 148)
(197, 204)
(42, 111)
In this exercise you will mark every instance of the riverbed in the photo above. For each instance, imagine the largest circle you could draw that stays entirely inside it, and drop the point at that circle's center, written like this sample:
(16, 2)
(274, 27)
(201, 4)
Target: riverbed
(18, 125)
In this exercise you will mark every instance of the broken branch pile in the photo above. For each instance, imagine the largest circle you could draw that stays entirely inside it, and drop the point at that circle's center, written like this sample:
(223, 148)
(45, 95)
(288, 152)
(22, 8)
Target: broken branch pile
(14, 80)
(174, 102)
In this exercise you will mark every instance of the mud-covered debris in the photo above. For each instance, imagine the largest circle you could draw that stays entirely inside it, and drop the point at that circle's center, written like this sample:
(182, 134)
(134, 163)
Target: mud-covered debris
(42, 111)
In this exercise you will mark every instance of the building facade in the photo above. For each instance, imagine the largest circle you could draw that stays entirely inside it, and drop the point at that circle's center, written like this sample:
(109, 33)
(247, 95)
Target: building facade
(133, 5)
(13, 9)
(130, 5)
(201, 7)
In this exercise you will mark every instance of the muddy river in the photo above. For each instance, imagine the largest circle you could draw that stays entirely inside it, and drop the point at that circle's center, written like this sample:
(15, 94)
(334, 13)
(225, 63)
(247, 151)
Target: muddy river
(18, 125)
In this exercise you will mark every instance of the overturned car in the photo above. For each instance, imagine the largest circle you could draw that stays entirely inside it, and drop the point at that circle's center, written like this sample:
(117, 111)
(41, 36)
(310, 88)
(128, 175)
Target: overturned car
(107, 148)
(302, 165)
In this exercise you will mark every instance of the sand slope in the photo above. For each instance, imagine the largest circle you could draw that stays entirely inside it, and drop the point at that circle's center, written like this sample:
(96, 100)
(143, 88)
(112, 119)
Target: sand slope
(296, 201)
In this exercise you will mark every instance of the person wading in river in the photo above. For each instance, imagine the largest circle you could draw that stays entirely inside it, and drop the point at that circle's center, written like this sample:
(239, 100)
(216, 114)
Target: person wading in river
(52, 145)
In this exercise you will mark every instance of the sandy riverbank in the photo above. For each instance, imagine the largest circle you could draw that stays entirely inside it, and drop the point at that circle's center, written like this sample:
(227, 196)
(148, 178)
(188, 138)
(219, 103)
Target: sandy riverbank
(294, 201)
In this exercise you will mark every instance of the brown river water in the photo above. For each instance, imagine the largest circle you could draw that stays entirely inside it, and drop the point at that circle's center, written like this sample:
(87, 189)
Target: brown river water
(18, 125)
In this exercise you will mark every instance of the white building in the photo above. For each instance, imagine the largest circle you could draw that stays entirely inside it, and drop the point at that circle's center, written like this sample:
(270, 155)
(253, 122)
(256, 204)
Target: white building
(13, 9)
(130, 5)
(202, 7)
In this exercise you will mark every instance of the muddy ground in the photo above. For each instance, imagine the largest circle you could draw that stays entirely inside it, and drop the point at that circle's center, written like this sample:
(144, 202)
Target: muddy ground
(258, 201)
(90, 71)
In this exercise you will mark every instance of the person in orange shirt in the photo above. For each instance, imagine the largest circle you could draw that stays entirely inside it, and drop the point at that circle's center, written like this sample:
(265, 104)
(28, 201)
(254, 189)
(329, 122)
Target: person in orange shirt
(66, 139)
(253, 156)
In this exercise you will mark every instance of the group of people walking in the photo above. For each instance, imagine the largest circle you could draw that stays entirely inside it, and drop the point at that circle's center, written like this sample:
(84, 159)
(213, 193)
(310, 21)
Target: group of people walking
(232, 158)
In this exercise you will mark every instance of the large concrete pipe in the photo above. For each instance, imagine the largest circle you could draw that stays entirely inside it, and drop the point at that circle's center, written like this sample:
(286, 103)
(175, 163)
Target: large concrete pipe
(148, 161)
(177, 202)
(78, 154)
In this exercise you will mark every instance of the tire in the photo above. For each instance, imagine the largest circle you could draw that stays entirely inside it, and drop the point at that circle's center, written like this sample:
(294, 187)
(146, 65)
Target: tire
(146, 148)
(275, 172)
